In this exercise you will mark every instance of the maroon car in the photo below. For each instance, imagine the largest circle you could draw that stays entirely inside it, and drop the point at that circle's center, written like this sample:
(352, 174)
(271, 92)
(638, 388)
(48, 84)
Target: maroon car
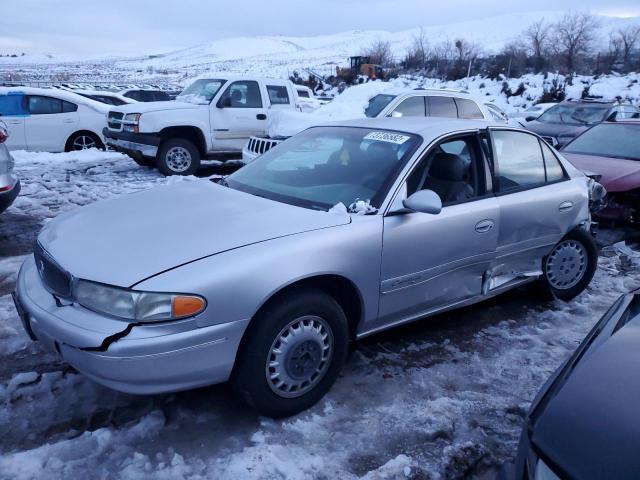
(612, 151)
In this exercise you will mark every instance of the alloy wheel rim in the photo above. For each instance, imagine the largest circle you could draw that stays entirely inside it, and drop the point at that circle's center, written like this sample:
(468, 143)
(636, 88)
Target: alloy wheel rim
(178, 159)
(566, 265)
(299, 356)
(83, 142)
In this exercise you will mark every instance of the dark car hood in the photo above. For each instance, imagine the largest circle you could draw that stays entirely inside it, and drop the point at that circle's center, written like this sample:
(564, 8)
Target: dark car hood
(618, 175)
(591, 427)
(555, 129)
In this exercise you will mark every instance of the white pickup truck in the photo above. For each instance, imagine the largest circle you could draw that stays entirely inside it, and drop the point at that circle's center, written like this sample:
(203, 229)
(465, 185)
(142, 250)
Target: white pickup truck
(210, 119)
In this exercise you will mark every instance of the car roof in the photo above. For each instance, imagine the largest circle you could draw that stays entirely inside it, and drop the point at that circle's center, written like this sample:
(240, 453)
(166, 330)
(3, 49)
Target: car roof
(55, 93)
(428, 91)
(426, 127)
(235, 77)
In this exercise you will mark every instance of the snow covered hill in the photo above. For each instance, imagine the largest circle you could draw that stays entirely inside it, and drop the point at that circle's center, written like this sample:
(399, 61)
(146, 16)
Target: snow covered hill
(279, 55)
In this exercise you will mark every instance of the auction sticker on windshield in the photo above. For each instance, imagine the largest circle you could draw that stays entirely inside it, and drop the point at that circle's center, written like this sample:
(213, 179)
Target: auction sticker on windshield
(389, 137)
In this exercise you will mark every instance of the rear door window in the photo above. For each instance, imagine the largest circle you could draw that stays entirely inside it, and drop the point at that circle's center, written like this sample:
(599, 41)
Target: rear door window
(519, 160)
(468, 109)
(278, 95)
(442, 107)
(412, 107)
(68, 107)
(39, 105)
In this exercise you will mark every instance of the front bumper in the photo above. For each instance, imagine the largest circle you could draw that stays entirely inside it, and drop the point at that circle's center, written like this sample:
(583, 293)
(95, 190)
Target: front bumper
(248, 156)
(133, 358)
(8, 196)
(134, 144)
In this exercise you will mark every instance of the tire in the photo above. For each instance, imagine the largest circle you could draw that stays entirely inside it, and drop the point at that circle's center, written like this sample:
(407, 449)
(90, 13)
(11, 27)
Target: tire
(306, 367)
(83, 141)
(570, 267)
(178, 157)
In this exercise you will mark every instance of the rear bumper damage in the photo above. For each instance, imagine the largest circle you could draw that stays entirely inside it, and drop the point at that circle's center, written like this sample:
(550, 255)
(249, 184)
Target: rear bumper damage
(133, 358)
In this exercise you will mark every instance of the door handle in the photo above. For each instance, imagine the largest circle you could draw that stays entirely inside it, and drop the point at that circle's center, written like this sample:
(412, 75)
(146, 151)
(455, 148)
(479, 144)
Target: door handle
(484, 226)
(261, 116)
(15, 122)
(69, 121)
(565, 206)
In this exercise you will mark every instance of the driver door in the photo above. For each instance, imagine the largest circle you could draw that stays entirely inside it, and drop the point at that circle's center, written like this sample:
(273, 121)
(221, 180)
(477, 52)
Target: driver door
(434, 261)
(239, 114)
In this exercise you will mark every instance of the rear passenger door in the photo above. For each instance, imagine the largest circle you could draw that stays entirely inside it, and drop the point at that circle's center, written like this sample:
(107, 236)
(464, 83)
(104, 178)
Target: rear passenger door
(13, 112)
(50, 123)
(538, 206)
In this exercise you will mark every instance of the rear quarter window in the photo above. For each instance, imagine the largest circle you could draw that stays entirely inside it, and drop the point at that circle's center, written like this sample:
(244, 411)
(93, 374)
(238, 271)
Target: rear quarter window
(468, 109)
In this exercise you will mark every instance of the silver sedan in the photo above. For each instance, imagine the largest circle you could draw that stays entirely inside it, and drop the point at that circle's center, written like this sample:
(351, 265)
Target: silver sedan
(264, 277)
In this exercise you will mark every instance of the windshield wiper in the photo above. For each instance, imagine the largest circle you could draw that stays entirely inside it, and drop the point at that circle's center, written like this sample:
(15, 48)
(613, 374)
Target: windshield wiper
(221, 181)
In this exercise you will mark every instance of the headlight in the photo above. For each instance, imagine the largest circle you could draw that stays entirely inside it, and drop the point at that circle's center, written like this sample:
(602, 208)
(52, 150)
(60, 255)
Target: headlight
(131, 122)
(135, 305)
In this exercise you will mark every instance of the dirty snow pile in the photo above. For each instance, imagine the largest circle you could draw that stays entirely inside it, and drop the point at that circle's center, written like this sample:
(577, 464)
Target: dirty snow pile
(351, 104)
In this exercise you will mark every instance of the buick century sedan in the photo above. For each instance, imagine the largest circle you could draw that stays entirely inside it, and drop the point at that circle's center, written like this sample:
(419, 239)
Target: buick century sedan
(264, 277)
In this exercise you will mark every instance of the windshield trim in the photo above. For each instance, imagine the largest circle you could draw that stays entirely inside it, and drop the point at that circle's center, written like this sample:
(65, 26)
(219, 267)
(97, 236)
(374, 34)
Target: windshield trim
(378, 201)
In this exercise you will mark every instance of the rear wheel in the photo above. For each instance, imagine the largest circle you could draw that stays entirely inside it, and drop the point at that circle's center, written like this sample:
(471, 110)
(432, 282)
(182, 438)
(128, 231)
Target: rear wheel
(83, 141)
(569, 268)
(293, 353)
(178, 157)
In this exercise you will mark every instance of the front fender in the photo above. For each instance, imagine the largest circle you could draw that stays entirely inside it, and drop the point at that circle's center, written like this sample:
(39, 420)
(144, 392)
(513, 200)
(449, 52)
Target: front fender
(238, 282)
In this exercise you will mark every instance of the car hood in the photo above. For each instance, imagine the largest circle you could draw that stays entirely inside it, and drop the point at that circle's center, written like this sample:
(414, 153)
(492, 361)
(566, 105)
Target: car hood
(555, 129)
(128, 239)
(145, 107)
(591, 427)
(618, 175)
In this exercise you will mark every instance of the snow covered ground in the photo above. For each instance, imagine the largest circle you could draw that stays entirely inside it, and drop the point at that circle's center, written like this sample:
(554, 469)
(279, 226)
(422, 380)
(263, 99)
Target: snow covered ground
(442, 398)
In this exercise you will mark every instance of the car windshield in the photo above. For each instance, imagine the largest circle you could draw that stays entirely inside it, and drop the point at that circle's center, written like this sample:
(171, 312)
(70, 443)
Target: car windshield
(580, 114)
(377, 104)
(201, 92)
(618, 140)
(325, 166)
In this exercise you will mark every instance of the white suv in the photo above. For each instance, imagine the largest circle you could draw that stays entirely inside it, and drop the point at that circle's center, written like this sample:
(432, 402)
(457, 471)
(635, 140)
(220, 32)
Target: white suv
(399, 103)
(51, 120)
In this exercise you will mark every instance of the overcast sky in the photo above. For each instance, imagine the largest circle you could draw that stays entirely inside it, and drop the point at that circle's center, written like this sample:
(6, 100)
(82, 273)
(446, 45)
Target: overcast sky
(88, 27)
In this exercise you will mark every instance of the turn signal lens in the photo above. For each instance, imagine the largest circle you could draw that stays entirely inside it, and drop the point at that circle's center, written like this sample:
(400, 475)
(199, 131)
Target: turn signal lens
(186, 306)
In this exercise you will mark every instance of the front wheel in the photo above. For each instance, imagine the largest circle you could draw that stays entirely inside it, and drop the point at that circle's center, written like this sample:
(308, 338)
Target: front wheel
(292, 354)
(571, 265)
(178, 157)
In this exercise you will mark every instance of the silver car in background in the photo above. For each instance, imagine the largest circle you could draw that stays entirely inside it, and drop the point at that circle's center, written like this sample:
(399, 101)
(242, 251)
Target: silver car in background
(9, 183)
(264, 277)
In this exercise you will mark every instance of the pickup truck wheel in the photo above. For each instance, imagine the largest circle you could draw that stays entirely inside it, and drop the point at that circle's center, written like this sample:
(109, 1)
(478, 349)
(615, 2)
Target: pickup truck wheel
(569, 268)
(178, 157)
(292, 354)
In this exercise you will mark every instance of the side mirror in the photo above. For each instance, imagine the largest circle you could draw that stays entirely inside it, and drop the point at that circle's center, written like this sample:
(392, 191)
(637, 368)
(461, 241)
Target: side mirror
(396, 114)
(530, 117)
(424, 201)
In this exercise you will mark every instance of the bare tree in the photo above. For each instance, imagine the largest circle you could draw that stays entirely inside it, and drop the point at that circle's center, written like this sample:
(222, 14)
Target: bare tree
(630, 38)
(420, 47)
(380, 53)
(537, 37)
(573, 36)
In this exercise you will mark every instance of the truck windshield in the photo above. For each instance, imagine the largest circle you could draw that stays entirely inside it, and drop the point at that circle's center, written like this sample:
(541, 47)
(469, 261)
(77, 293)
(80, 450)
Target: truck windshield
(201, 92)
(325, 166)
(377, 104)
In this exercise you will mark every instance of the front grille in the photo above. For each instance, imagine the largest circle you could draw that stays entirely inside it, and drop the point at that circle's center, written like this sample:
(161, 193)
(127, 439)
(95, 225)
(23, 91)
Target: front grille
(261, 145)
(114, 120)
(54, 278)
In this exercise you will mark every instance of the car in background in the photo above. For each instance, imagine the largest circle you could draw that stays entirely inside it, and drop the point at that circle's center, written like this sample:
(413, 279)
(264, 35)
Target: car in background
(533, 112)
(211, 119)
(394, 219)
(146, 95)
(9, 183)
(397, 103)
(307, 99)
(565, 121)
(498, 114)
(51, 120)
(106, 97)
(612, 151)
(584, 423)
